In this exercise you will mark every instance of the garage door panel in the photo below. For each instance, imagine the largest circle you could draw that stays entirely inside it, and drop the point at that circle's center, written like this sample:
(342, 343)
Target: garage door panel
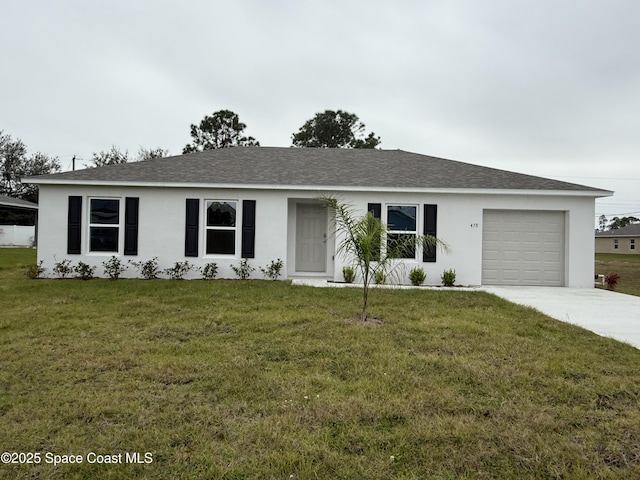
(522, 247)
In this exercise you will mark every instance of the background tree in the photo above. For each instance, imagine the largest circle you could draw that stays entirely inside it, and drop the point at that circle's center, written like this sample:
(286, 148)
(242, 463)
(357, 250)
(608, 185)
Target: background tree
(361, 241)
(222, 129)
(115, 156)
(602, 223)
(16, 165)
(110, 157)
(151, 153)
(337, 129)
(618, 222)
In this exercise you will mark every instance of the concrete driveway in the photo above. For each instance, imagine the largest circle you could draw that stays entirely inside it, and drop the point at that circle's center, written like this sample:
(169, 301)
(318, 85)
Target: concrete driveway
(609, 314)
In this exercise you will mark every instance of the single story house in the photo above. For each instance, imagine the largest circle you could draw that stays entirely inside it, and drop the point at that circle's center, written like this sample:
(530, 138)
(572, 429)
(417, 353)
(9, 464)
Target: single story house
(262, 203)
(621, 240)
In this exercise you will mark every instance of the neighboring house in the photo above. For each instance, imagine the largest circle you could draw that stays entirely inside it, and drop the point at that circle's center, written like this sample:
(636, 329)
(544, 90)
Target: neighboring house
(261, 203)
(622, 240)
(10, 204)
(12, 211)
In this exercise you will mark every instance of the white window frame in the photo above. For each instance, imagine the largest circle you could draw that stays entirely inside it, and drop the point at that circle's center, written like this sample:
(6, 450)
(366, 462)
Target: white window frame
(615, 243)
(234, 229)
(402, 232)
(118, 226)
(632, 244)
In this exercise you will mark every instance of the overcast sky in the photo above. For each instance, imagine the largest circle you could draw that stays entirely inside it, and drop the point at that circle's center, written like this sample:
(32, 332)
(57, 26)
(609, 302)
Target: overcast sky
(545, 87)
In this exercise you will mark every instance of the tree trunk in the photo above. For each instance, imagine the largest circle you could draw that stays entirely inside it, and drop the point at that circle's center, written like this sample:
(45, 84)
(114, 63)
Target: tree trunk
(365, 297)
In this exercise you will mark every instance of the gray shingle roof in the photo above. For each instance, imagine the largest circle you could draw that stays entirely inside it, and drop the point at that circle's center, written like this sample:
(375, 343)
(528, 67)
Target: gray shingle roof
(17, 202)
(313, 167)
(632, 230)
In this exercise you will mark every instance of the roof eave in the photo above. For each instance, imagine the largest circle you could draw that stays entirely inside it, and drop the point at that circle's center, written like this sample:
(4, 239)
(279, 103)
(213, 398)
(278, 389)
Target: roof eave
(624, 235)
(17, 205)
(323, 188)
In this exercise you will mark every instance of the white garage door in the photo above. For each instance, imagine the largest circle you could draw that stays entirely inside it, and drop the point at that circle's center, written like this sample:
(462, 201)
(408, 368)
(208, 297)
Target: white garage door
(522, 247)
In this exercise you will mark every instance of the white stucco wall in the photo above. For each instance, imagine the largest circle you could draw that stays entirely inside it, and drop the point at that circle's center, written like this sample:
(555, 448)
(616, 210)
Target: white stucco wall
(460, 225)
(162, 228)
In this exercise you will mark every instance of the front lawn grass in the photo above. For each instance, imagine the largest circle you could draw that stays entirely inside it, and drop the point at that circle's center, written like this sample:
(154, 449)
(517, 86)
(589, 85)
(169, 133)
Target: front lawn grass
(627, 266)
(260, 379)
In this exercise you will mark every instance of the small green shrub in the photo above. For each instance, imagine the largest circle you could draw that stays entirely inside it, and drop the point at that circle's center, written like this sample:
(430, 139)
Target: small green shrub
(349, 274)
(114, 267)
(209, 271)
(63, 269)
(417, 276)
(448, 277)
(379, 278)
(84, 271)
(149, 269)
(179, 270)
(243, 270)
(272, 271)
(36, 270)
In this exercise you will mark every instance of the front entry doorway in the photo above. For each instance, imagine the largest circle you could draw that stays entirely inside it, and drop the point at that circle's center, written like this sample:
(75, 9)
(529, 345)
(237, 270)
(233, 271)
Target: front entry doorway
(311, 237)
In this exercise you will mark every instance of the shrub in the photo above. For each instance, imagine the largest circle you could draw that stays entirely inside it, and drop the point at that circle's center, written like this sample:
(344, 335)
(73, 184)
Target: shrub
(611, 281)
(243, 270)
(417, 276)
(149, 269)
(84, 271)
(113, 267)
(179, 270)
(448, 278)
(272, 270)
(63, 269)
(36, 270)
(349, 274)
(379, 277)
(209, 271)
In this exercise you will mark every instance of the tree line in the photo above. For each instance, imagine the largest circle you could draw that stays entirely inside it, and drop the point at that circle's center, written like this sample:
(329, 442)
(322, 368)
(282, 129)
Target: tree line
(616, 222)
(222, 129)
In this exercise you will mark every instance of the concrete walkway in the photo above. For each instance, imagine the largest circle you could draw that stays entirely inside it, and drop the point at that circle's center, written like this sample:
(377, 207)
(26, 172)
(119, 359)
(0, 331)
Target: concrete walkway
(609, 314)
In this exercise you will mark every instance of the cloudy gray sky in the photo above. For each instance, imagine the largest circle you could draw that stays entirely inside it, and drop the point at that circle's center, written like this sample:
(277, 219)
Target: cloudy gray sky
(545, 87)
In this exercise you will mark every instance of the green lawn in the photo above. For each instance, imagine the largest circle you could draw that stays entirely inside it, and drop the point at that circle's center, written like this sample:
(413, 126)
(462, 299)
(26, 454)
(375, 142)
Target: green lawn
(257, 379)
(627, 266)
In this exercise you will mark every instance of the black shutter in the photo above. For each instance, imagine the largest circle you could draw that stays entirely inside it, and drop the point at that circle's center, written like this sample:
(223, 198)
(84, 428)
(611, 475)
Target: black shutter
(74, 226)
(191, 228)
(248, 229)
(430, 224)
(376, 211)
(131, 225)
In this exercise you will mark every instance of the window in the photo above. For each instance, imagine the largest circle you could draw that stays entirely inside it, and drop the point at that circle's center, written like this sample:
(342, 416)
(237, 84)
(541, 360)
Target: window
(401, 220)
(104, 225)
(615, 243)
(632, 243)
(221, 227)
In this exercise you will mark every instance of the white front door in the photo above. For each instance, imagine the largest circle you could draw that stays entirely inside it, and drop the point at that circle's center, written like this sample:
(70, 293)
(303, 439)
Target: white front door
(311, 238)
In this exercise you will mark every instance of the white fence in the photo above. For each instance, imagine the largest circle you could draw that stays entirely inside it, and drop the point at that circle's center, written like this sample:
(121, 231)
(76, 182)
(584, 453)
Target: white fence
(17, 236)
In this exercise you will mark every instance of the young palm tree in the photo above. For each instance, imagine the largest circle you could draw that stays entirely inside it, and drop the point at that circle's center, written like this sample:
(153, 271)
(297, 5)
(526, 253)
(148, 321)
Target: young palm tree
(360, 239)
